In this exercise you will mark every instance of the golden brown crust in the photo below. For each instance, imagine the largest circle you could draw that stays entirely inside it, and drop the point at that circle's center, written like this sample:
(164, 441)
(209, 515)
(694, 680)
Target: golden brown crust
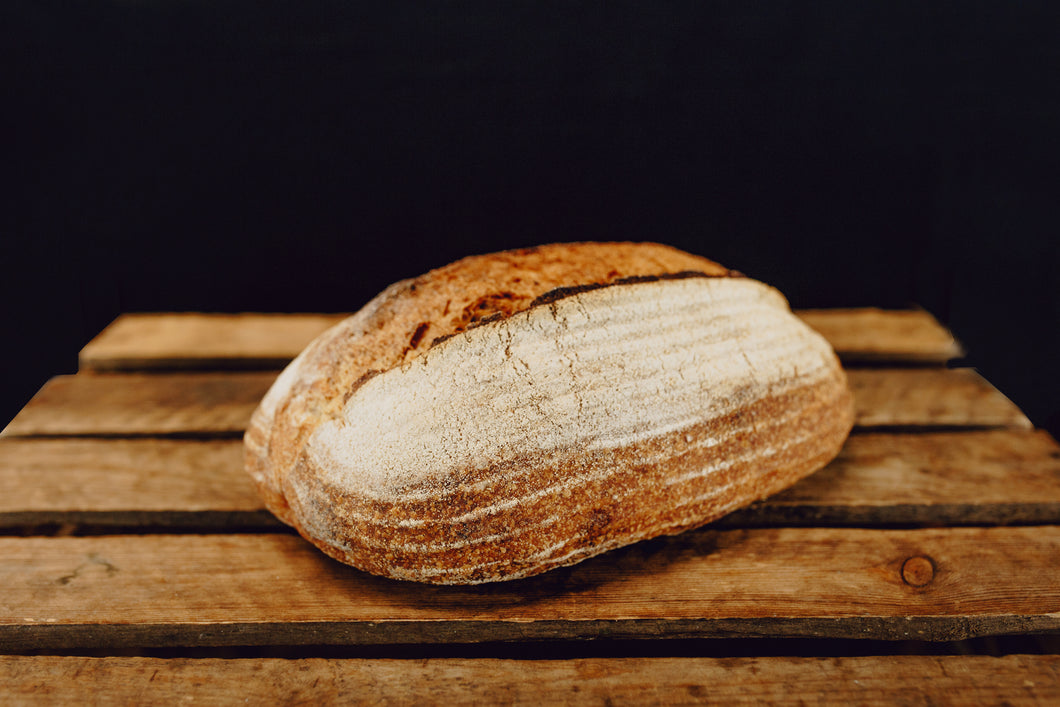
(527, 513)
(410, 316)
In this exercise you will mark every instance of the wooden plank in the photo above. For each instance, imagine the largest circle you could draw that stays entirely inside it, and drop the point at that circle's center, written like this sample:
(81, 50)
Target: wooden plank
(176, 341)
(930, 397)
(128, 483)
(863, 680)
(212, 404)
(989, 477)
(977, 477)
(220, 404)
(870, 335)
(136, 342)
(929, 584)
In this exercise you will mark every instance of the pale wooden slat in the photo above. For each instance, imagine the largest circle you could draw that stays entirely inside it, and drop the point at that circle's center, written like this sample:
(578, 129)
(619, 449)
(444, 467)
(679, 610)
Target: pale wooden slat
(202, 341)
(870, 680)
(884, 336)
(170, 341)
(143, 404)
(968, 477)
(127, 483)
(221, 403)
(930, 584)
(983, 476)
(925, 397)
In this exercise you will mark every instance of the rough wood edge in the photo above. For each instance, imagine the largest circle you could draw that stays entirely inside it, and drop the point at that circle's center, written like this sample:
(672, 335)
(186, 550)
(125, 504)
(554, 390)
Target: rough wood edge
(15, 638)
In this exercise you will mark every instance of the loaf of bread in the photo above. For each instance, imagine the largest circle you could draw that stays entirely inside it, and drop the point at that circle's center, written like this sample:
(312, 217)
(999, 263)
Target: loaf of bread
(515, 412)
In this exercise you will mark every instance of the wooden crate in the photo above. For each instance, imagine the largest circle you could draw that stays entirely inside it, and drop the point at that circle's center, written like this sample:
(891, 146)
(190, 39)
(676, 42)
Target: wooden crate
(139, 566)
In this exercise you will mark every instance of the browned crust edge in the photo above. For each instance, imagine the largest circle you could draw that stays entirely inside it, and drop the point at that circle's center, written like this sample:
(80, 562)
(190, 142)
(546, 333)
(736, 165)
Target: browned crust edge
(628, 501)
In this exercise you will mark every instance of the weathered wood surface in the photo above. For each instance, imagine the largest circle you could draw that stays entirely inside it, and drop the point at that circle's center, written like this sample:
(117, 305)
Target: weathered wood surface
(127, 483)
(989, 477)
(928, 584)
(172, 341)
(884, 681)
(220, 404)
(869, 335)
(925, 397)
(214, 404)
(974, 477)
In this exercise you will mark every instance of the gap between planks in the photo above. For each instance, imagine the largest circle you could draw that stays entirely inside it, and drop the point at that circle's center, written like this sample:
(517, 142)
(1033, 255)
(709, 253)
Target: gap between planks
(279, 590)
(884, 681)
(958, 478)
(186, 341)
(219, 404)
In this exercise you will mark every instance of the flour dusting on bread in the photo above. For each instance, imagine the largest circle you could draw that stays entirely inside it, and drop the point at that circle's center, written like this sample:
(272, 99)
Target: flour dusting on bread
(520, 411)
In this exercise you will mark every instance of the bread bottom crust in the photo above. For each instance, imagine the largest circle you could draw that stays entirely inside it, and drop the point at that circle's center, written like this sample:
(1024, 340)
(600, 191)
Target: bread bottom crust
(536, 514)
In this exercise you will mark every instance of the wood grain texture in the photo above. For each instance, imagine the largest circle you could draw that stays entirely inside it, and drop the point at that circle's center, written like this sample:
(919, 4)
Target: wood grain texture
(925, 397)
(192, 341)
(869, 335)
(127, 483)
(196, 341)
(969, 477)
(972, 477)
(883, 681)
(220, 404)
(931, 584)
(214, 404)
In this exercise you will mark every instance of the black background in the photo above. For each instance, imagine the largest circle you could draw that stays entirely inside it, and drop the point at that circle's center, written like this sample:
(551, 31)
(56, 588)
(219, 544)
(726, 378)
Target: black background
(229, 155)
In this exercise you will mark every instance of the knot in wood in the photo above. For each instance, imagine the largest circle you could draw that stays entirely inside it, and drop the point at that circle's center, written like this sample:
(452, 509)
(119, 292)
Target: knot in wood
(918, 571)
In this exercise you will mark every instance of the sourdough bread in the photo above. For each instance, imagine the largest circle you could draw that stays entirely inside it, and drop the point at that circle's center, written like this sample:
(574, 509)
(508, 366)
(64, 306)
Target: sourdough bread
(519, 411)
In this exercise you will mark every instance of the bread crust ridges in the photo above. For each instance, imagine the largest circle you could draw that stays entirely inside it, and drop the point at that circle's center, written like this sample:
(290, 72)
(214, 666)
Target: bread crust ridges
(519, 411)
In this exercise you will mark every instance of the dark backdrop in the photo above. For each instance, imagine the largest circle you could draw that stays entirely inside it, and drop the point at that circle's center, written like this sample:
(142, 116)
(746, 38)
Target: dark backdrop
(233, 155)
